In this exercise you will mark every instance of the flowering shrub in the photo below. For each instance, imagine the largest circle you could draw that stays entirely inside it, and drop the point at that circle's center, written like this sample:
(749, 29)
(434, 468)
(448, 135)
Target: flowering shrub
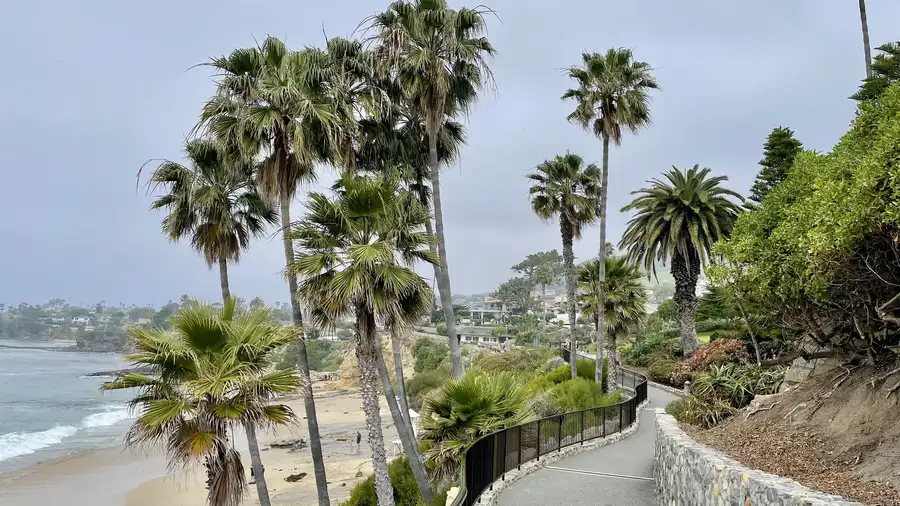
(719, 351)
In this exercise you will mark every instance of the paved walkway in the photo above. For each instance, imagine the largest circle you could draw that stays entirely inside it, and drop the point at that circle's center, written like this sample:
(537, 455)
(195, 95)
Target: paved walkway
(619, 474)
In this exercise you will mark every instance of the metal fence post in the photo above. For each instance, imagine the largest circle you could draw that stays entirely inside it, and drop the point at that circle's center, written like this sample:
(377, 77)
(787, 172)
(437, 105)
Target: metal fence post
(539, 440)
(581, 432)
(603, 421)
(519, 460)
(621, 406)
(559, 433)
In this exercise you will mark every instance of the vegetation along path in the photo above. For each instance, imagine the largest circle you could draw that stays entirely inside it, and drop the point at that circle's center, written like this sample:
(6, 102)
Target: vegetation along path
(615, 475)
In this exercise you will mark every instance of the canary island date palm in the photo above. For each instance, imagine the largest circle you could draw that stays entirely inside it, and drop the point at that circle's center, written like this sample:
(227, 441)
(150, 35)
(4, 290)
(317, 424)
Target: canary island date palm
(213, 202)
(439, 57)
(355, 252)
(272, 104)
(625, 299)
(207, 378)
(679, 218)
(566, 188)
(611, 96)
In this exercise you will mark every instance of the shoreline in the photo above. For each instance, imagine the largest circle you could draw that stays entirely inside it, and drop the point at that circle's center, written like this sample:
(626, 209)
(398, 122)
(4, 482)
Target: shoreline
(116, 476)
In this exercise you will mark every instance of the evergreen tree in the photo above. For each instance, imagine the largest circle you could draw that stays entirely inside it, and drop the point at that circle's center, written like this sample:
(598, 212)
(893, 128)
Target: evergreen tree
(885, 72)
(778, 155)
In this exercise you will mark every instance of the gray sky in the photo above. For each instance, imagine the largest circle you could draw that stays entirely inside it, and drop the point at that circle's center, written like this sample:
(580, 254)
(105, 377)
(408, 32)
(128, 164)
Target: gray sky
(95, 88)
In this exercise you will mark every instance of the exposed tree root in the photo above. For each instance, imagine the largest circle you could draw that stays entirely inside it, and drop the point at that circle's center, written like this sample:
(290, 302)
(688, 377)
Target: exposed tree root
(795, 408)
(883, 377)
(757, 410)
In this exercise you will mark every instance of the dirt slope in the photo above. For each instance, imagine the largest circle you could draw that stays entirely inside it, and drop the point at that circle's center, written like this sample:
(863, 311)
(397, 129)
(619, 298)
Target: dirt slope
(835, 432)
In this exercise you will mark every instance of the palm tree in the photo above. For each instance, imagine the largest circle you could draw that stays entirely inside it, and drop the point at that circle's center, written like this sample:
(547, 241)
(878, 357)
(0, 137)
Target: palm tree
(356, 252)
(271, 103)
(610, 97)
(565, 187)
(208, 379)
(679, 219)
(462, 411)
(439, 57)
(625, 299)
(213, 202)
(867, 48)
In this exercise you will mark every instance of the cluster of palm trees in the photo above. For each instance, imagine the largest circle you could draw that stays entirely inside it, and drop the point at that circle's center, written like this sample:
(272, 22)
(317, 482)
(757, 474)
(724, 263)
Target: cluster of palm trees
(384, 112)
(678, 220)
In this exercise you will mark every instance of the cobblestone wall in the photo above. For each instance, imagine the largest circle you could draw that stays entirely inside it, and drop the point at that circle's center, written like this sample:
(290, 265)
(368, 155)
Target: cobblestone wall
(689, 473)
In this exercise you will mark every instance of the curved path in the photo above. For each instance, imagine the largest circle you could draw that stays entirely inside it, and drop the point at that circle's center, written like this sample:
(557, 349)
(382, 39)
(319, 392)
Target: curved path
(619, 474)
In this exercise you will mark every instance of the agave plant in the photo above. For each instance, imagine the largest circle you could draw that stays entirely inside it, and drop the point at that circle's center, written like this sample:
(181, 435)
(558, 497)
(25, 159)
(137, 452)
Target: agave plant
(461, 411)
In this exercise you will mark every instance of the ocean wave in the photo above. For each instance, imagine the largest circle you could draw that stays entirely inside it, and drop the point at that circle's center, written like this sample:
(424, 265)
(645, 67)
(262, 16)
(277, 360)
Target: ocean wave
(15, 444)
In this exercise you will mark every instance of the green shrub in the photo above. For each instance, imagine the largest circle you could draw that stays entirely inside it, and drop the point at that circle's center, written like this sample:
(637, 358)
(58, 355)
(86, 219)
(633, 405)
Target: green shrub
(719, 334)
(579, 393)
(704, 413)
(712, 325)
(421, 384)
(736, 385)
(322, 355)
(406, 491)
(516, 361)
(661, 371)
(441, 329)
(429, 355)
(585, 370)
(652, 347)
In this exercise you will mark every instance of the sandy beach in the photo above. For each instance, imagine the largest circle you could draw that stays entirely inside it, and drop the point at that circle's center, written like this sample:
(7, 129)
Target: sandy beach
(119, 477)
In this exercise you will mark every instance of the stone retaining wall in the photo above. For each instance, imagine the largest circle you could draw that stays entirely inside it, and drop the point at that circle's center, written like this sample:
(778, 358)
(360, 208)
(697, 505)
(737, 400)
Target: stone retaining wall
(689, 473)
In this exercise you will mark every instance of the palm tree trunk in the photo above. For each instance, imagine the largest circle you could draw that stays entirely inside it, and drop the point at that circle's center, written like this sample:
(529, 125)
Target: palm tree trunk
(565, 230)
(601, 276)
(223, 279)
(398, 370)
(256, 462)
(368, 380)
(403, 424)
(443, 273)
(867, 48)
(598, 376)
(312, 421)
(686, 274)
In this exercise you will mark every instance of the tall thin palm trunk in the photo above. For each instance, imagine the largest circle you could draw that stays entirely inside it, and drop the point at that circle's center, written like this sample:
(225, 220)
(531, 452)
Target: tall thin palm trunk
(403, 423)
(443, 273)
(223, 279)
(601, 277)
(867, 48)
(598, 376)
(367, 360)
(686, 272)
(262, 489)
(565, 230)
(312, 421)
(398, 370)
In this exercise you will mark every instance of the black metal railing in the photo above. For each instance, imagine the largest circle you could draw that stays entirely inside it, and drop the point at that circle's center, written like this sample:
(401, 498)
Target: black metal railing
(500, 452)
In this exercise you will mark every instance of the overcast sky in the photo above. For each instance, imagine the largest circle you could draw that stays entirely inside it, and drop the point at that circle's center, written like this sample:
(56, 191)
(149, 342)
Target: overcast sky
(94, 88)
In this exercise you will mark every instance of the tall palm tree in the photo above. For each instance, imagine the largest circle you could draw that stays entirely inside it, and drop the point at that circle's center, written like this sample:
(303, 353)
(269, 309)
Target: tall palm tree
(272, 104)
(610, 97)
(439, 56)
(356, 252)
(213, 202)
(566, 188)
(867, 48)
(680, 218)
(624, 296)
(207, 379)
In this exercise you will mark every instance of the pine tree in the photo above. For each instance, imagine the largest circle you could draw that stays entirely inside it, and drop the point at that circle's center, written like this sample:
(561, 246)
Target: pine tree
(885, 72)
(778, 155)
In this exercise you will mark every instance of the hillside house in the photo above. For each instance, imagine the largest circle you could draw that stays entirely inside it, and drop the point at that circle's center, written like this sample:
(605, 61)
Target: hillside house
(81, 320)
(478, 335)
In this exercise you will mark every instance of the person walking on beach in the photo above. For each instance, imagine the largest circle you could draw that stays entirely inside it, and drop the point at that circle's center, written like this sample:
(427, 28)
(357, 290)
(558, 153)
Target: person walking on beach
(358, 439)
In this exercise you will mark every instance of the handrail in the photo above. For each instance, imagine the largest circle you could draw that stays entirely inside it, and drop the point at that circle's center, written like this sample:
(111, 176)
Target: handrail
(494, 454)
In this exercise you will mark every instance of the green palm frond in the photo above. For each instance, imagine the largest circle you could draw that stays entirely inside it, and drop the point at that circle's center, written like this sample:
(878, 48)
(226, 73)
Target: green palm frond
(625, 296)
(565, 187)
(683, 214)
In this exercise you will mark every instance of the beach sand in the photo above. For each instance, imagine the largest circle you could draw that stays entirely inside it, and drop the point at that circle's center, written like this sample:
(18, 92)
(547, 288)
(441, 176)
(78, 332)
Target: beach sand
(117, 477)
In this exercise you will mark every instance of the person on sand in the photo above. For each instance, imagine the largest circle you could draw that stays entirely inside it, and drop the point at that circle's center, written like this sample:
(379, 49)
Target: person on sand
(358, 439)
(253, 477)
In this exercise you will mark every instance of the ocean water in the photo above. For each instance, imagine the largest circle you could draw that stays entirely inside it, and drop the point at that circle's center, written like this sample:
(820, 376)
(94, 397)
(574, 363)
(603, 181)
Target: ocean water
(49, 408)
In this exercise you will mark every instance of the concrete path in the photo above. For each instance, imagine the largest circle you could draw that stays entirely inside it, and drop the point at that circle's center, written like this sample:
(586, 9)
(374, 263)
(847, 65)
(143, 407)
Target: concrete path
(616, 475)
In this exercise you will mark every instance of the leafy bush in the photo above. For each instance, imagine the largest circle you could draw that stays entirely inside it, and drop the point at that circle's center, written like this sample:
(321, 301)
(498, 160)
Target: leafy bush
(543, 404)
(441, 329)
(457, 414)
(406, 491)
(579, 393)
(719, 334)
(421, 384)
(718, 352)
(322, 355)
(429, 355)
(652, 347)
(585, 369)
(705, 413)
(661, 371)
(712, 325)
(517, 361)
